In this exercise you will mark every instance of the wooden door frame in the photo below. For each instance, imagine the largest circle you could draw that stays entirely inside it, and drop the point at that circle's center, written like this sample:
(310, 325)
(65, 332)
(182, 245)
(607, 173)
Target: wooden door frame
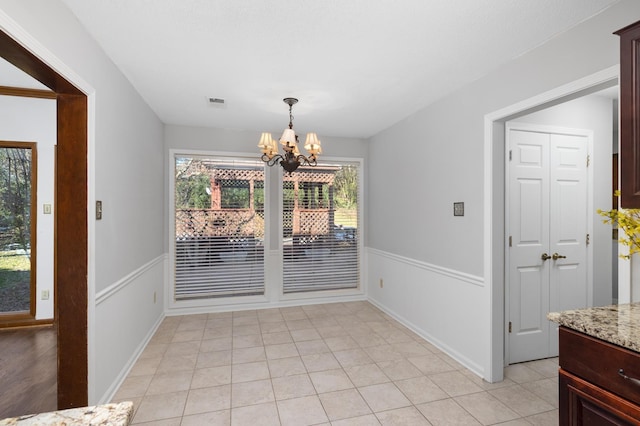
(71, 223)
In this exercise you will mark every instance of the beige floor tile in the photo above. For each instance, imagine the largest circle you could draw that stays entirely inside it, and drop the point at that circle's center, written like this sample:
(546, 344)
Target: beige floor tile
(283, 350)
(332, 331)
(211, 376)
(217, 418)
(274, 327)
(550, 418)
(382, 397)
(190, 324)
(410, 349)
(251, 393)
(455, 383)
(218, 344)
(447, 412)
(430, 364)
(286, 367)
(154, 350)
(367, 339)
(249, 372)
(341, 343)
(188, 336)
(247, 341)
(245, 320)
(368, 420)
(365, 375)
(305, 334)
(545, 367)
(203, 400)
(409, 416)
(522, 401)
(133, 386)
(241, 356)
(326, 321)
(292, 386)
(170, 382)
(177, 363)
(219, 323)
(547, 389)
(217, 332)
(176, 421)
(399, 369)
(213, 359)
(486, 408)
(299, 324)
(245, 330)
(352, 357)
(320, 362)
(383, 353)
(301, 411)
(163, 406)
(420, 390)
(310, 347)
(521, 373)
(344, 404)
(183, 349)
(265, 414)
(330, 380)
(276, 338)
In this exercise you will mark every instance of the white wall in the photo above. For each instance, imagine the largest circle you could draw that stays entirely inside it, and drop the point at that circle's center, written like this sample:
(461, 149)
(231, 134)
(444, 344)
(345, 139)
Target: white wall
(34, 120)
(126, 171)
(592, 113)
(410, 205)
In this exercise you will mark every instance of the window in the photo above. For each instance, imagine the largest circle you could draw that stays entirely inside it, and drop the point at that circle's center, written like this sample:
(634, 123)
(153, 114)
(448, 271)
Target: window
(219, 227)
(17, 229)
(321, 248)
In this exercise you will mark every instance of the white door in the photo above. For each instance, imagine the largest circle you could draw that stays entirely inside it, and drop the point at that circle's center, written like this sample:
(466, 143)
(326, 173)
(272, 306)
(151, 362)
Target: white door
(547, 270)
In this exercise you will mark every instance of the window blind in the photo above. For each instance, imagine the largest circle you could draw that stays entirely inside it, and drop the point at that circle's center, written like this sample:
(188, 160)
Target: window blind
(219, 227)
(320, 228)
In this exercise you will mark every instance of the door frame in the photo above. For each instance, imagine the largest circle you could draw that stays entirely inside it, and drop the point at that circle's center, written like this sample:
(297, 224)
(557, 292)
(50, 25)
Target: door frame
(493, 188)
(507, 211)
(74, 270)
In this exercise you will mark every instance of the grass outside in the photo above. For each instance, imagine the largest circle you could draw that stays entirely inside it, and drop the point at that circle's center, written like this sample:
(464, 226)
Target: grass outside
(346, 217)
(15, 281)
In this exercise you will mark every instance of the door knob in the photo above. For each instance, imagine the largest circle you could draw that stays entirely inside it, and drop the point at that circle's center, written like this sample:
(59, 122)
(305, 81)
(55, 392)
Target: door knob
(545, 256)
(557, 256)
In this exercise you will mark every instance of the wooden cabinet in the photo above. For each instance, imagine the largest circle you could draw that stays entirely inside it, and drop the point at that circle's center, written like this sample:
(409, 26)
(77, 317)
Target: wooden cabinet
(598, 382)
(630, 116)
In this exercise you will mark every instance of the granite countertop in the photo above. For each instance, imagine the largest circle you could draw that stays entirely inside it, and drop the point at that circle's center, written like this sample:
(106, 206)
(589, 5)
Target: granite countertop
(617, 324)
(100, 415)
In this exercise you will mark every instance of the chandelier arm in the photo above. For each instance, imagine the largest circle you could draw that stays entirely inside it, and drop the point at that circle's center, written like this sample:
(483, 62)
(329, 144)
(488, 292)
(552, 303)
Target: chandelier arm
(273, 160)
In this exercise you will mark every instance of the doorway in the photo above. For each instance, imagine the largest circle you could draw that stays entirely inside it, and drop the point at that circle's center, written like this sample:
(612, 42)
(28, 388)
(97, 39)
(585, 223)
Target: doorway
(71, 219)
(547, 223)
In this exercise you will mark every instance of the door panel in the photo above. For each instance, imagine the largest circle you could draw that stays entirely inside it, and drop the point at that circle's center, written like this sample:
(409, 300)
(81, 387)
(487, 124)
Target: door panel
(529, 277)
(547, 214)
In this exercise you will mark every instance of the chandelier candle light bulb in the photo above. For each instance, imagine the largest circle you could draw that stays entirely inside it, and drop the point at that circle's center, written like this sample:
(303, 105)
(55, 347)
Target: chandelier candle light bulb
(292, 158)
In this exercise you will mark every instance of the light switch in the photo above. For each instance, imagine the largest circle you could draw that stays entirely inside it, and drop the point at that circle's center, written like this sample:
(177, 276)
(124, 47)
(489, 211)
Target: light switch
(458, 209)
(46, 208)
(98, 210)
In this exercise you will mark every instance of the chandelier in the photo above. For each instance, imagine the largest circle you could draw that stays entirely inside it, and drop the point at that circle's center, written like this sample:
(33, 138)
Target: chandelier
(291, 159)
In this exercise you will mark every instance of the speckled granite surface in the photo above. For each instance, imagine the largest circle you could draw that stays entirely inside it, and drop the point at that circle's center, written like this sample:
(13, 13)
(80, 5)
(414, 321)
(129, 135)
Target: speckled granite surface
(617, 324)
(101, 415)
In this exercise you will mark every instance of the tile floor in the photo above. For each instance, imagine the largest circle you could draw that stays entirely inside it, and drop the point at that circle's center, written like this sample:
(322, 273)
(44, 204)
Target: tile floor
(331, 364)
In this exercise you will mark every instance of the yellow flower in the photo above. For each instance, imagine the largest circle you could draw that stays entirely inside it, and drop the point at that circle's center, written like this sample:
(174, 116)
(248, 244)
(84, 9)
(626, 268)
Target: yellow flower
(628, 220)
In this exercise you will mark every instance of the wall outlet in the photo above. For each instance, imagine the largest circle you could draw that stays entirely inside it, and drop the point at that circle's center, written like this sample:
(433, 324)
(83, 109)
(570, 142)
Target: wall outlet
(381, 283)
(155, 298)
(45, 295)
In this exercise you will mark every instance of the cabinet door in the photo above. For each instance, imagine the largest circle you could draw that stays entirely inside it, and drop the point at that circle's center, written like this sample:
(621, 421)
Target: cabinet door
(630, 116)
(582, 403)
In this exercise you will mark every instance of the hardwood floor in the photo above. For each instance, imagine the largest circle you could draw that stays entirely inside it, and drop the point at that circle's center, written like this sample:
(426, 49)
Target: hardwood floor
(28, 366)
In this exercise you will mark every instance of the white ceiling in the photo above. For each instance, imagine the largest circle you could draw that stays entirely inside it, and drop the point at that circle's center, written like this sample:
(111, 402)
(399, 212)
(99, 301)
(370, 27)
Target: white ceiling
(357, 66)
